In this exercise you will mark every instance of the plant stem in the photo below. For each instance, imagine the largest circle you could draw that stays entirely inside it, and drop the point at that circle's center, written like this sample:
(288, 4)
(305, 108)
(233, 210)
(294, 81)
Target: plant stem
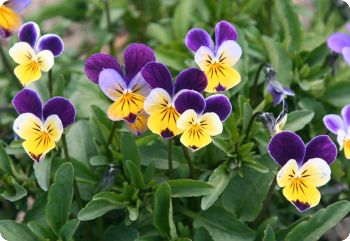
(170, 158)
(249, 127)
(9, 67)
(75, 185)
(50, 86)
(189, 162)
(111, 134)
(255, 83)
(109, 26)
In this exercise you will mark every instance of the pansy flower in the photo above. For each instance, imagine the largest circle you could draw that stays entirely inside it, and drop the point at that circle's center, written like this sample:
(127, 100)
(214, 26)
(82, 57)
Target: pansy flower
(34, 54)
(340, 126)
(275, 125)
(216, 61)
(275, 88)
(41, 126)
(126, 88)
(340, 44)
(10, 21)
(160, 102)
(140, 125)
(200, 118)
(304, 167)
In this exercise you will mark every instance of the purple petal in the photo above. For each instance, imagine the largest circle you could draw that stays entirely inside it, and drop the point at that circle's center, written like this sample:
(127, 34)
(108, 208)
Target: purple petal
(28, 101)
(189, 99)
(220, 105)
(135, 57)
(336, 42)
(197, 38)
(4, 33)
(345, 112)
(51, 42)
(302, 207)
(224, 31)
(98, 62)
(321, 147)
(334, 123)
(285, 146)
(157, 75)
(18, 5)
(346, 54)
(277, 96)
(288, 91)
(29, 33)
(191, 79)
(62, 107)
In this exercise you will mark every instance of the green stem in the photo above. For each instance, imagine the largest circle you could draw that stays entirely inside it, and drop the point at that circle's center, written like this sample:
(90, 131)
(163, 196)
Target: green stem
(110, 139)
(75, 185)
(250, 124)
(109, 26)
(255, 83)
(170, 158)
(189, 162)
(9, 67)
(50, 86)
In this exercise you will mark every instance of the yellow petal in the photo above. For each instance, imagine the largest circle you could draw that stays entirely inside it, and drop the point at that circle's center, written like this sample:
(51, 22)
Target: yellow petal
(45, 60)
(221, 77)
(22, 53)
(27, 125)
(28, 72)
(9, 20)
(211, 124)
(187, 119)
(126, 107)
(39, 145)
(315, 172)
(140, 125)
(287, 172)
(347, 149)
(54, 127)
(195, 138)
(157, 100)
(163, 122)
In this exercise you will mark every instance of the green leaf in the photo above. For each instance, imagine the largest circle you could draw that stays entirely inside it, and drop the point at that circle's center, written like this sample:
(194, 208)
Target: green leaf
(183, 17)
(189, 188)
(130, 150)
(135, 174)
(338, 94)
(98, 208)
(5, 163)
(13, 231)
(252, 188)
(159, 32)
(121, 233)
(98, 160)
(68, 230)
(41, 231)
(223, 225)
(173, 58)
(15, 192)
(314, 228)
(298, 119)
(60, 196)
(163, 213)
(219, 180)
(269, 234)
(202, 234)
(42, 173)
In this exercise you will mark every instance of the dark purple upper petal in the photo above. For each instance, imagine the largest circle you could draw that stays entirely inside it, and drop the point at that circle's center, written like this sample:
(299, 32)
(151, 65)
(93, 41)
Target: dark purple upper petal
(220, 105)
(224, 31)
(18, 5)
(28, 101)
(29, 33)
(285, 146)
(51, 42)
(98, 62)
(277, 96)
(136, 56)
(336, 42)
(189, 99)
(334, 123)
(197, 38)
(191, 79)
(62, 107)
(157, 75)
(321, 147)
(345, 112)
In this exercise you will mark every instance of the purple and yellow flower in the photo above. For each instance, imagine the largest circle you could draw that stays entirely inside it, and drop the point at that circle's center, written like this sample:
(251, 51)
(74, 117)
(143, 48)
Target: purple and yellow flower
(33, 53)
(160, 102)
(216, 61)
(10, 21)
(340, 44)
(126, 88)
(340, 126)
(275, 88)
(304, 167)
(41, 126)
(275, 125)
(200, 118)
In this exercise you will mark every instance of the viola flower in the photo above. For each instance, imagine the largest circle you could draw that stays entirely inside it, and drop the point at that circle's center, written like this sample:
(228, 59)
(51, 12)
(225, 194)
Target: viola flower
(200, 118)
(340, 126)
(10, 21)
(140, 125)
(33, 53)
(275, 88)
(41, 126)
(304, 167)
(126, 88)
(217, 62)
(340, 44)
(275, 125)
(160, 102)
